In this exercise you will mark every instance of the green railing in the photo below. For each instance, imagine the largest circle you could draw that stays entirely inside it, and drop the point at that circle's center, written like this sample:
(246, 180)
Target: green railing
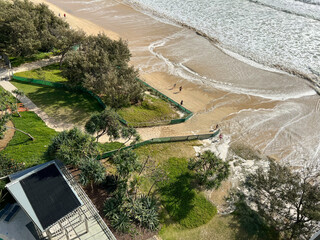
(84, 90)
(60, 85)
(162, 140)
(187, 112)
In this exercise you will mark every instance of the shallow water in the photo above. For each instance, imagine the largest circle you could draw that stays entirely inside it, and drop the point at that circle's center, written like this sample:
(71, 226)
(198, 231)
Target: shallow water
(284, 121)
(283, 33)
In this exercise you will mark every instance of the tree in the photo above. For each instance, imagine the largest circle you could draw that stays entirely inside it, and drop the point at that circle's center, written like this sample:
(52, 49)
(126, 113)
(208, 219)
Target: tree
(108, 122)
(105, 122)
(209, 170)
(26, 28)
(92, 172)
(101, 65)
(67, 39)
(73, 146)
(289, 201)
(126, 162)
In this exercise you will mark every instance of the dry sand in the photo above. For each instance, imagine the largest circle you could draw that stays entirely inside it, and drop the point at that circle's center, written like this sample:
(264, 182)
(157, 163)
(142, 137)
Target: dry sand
(76, 23)
(8, 135)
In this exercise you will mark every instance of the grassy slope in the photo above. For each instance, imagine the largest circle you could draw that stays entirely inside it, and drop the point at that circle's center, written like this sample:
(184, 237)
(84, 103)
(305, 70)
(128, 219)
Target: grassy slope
(50, 73)
(226, 227)
(182, 202)
(62, 105)
(152, 109)
(17, 61)
(21, 148)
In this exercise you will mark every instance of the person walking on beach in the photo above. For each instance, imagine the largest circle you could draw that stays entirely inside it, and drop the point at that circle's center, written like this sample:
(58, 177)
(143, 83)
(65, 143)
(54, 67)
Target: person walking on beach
(174, 85)
(59, 15)
(181, 102)
(220, 136)
(64, 15)
(180, 88)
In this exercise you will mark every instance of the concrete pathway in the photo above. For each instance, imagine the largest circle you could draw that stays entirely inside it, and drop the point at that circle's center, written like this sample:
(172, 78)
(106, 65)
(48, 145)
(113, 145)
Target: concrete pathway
(51, 123)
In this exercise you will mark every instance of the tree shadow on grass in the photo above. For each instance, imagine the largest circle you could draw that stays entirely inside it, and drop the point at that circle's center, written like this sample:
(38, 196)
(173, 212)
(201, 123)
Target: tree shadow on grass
(177, 197)
(250, 225)
(74, 106)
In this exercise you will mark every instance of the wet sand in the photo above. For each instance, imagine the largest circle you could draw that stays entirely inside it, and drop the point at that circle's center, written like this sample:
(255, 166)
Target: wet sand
(216, 87)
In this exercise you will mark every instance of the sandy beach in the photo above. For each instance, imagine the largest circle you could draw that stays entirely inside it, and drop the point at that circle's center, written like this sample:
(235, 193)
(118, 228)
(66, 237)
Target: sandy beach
(167, 54)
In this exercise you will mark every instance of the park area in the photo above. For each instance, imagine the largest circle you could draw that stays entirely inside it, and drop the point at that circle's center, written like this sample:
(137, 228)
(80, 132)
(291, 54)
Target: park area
(74, 107)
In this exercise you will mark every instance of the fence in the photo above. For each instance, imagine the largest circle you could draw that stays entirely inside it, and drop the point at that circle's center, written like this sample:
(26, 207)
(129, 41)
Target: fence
(84, 90)
(162, 140)
(60, 85)
(180, 107)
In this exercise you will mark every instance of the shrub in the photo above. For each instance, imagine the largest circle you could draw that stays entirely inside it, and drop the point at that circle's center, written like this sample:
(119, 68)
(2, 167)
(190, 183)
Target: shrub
(73, 146)
(92, 171)
(145, 212)
(9, 166)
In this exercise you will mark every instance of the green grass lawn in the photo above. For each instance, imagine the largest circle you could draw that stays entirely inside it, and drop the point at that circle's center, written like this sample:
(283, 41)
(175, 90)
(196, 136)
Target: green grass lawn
(60, 104)
(17, 61)
(183, 204)
(151, 111)
(21, 148)
(50, 73)
(109, 146)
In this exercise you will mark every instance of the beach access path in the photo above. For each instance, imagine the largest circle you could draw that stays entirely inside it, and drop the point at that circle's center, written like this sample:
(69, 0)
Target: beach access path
(51, 123)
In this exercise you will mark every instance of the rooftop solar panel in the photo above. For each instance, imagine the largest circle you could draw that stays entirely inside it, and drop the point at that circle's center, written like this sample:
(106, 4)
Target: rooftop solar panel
(49, 195)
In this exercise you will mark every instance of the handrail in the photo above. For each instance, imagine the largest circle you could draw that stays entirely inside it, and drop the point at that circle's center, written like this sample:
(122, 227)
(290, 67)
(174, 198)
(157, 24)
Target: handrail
(162, 140)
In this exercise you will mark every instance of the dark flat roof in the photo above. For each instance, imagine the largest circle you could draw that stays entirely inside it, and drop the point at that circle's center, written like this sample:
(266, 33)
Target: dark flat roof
(49, 195)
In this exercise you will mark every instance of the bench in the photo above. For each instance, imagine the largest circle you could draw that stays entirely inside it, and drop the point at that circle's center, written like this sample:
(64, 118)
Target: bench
(5, 210)
(14, 210)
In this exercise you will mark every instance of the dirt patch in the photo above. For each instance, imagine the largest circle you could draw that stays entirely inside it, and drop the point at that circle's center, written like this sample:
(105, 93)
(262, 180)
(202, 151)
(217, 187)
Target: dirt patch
(8, 135)
(218, 196)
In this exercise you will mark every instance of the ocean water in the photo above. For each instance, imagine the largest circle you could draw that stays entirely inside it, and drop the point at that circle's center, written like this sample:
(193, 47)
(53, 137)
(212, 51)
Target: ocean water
(283, 34)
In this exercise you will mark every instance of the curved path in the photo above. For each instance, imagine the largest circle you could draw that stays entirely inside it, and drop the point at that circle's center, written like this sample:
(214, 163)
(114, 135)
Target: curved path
(58, 126)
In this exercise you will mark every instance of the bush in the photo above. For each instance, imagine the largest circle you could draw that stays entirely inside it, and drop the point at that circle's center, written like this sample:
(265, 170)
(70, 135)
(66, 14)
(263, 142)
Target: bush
(8, 166)
(92, 172)
(72, 146)
(145, 212)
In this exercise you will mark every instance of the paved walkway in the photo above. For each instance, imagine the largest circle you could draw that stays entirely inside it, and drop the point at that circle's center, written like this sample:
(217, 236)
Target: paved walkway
(51, 123)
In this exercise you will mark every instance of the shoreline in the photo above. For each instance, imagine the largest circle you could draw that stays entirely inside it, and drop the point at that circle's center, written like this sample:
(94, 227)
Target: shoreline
(238, 56)
(210, 105)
